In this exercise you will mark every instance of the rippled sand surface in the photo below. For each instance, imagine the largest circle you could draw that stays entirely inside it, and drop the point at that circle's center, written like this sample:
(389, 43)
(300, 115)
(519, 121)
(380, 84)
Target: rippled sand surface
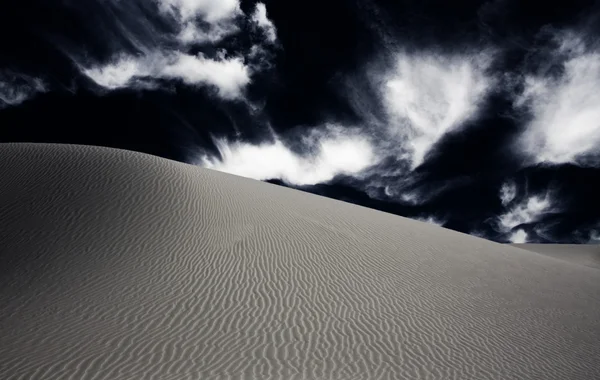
(581, 254)
(119, 265)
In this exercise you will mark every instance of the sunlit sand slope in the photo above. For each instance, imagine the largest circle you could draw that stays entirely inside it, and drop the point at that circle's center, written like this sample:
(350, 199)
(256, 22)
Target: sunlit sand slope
(119, 265)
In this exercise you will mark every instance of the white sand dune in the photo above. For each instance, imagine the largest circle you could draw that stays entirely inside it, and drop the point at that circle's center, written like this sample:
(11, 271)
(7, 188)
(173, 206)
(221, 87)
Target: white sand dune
(581, 254)
(120, 265)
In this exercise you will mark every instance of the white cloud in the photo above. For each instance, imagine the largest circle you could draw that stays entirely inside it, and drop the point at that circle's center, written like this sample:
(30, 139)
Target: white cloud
(16, 88)
(525, 209)
(425, 96)
(429, 95)
(508, 192)
(218, 17)
(334, 155)
(432, 220)
(518, 237)
(410, 105)
(209, 10)
(566, 109)
(410, 197)
(228, 75)
(199, 21)
(529, 210)
(118, 74)
(213, 33)
(259, 17)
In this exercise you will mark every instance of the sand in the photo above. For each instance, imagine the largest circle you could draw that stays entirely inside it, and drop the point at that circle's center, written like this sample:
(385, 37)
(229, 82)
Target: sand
(580, 254)
(120, 265)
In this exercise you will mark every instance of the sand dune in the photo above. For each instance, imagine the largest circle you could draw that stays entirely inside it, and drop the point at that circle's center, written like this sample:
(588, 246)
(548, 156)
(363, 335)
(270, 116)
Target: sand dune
(120, 265)
(581, 254)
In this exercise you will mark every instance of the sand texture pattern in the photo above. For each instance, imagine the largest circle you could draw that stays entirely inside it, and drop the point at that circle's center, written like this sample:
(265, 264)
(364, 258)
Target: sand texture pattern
(120, 265)
(581, 254)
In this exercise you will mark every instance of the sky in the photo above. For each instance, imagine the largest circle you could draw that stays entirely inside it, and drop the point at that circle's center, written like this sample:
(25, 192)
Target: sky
(478, 116)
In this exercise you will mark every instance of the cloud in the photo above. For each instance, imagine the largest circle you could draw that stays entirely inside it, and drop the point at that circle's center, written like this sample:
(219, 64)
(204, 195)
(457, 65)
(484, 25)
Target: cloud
(228, 75)
(190, 33)
(525, 216)
(508, 192)
(432, 220)
(429, 95)
(407, 102)
(16, 88)
(518, 237)
(528, 210)
(204, 22)
(565, 108)
(119, 73)
(259, 17)
(329, 156)
(209, 10)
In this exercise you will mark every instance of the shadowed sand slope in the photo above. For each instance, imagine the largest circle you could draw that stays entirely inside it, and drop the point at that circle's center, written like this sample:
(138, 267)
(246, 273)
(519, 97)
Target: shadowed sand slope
(581, 254)
(120, 265)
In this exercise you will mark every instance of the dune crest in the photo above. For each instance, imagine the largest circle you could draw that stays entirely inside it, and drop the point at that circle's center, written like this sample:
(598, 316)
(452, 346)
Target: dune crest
(120, 265)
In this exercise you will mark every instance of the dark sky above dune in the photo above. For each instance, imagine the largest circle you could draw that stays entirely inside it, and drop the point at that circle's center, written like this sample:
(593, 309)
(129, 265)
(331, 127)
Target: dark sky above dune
(481, 116)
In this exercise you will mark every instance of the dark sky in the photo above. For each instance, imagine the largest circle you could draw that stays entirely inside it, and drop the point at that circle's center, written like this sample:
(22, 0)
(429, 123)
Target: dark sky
(481, 116)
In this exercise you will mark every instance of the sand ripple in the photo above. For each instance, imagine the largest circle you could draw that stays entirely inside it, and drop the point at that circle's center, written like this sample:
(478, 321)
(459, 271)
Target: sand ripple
(119, 265)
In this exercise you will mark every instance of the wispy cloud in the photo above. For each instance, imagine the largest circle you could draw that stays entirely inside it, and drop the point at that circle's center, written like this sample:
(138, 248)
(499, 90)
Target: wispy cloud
(209, 10)
(119, 73)
(528, 209)
(565, 107)
(508, 192)
(199, 21)
(523, 218)
(408, 103)
(429, 95)
(16, 88)
(203, 20)
(323, 159)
